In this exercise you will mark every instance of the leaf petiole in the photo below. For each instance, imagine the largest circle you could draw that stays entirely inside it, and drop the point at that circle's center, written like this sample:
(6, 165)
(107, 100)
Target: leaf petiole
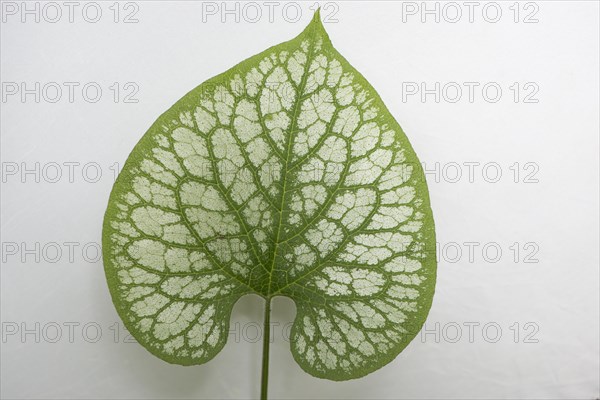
(265, 356)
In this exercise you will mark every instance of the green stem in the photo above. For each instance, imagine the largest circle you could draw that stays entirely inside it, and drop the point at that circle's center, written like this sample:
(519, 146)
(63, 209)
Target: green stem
(266, 343)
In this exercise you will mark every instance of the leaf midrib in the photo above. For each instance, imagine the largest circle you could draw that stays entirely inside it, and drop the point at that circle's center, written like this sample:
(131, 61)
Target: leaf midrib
(289, 141)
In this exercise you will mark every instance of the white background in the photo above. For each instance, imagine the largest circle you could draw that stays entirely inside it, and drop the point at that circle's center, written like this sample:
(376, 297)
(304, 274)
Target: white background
(554, 301)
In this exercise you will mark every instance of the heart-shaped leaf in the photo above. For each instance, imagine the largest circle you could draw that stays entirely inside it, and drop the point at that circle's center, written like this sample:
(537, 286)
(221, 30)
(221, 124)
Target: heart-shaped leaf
(284, 176)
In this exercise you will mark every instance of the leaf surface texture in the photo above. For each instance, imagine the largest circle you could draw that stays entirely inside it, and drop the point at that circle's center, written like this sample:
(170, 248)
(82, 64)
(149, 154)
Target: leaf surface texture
(285, 175)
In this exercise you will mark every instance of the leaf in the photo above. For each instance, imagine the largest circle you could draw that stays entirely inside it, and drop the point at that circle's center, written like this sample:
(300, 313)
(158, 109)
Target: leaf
(284, 176)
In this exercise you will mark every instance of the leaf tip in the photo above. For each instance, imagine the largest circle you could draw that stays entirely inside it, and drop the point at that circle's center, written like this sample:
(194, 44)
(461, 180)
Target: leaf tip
(315, 27)
(316, 20)
(317, 15)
